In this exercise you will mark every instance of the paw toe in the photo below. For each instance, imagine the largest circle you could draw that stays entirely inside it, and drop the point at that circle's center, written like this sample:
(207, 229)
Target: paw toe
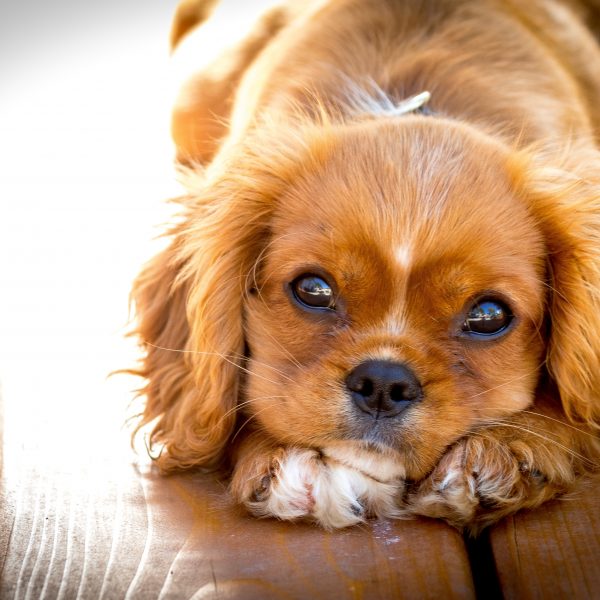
(261, 491)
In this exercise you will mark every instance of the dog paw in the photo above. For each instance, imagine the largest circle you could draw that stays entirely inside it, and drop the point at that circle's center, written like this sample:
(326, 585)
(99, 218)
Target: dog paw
(299, 483)
(486, 477)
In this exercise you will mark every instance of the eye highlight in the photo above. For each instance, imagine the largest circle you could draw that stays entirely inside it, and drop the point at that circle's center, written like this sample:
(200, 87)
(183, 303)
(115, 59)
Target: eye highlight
(313, 291)
(487, 317)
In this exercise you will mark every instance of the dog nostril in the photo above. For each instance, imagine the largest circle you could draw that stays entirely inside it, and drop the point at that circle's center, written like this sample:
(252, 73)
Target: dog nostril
(383, 388)
(398, 393)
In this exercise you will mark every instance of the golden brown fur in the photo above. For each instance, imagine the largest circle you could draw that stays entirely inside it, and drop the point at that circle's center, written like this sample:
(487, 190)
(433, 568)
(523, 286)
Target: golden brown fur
(298, 164)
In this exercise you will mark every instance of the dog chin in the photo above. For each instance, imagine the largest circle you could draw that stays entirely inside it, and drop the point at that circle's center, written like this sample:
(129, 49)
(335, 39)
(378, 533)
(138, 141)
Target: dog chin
(372, 458)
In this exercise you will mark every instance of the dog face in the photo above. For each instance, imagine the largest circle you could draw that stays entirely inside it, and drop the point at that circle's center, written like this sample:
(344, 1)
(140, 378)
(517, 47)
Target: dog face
(383, 285)
(397, 303)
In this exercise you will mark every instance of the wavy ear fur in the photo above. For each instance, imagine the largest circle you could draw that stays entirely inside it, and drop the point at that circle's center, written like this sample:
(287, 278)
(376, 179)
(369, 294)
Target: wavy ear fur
(190, 304)
(188, 301)
(567, 204)
(160, 299)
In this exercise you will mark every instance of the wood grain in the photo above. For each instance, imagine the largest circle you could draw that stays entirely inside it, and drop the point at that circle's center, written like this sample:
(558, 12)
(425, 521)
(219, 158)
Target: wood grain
(121, 531)
(103, 527)
(553, 552)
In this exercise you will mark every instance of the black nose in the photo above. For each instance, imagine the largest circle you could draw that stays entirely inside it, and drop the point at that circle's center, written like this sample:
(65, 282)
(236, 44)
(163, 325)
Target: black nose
(383, 388)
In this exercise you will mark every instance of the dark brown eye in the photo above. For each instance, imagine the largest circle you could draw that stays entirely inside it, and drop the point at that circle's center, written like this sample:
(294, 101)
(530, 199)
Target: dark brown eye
(487, 317)
(313, 291)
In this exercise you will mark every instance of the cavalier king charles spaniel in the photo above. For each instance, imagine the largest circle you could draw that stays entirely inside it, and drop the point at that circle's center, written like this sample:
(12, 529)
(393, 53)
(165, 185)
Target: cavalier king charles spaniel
(383, 296)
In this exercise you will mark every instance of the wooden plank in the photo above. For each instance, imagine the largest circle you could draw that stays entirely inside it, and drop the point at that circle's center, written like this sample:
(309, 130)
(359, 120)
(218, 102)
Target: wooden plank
(553, 552)
(113, 531)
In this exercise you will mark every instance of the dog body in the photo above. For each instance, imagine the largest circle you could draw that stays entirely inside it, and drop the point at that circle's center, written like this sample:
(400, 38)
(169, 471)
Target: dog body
(377, 304)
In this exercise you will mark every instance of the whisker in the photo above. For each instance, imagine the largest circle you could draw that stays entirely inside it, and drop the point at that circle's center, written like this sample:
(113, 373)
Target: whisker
(225, 358)
(246, 423)
(291, 357)
(568, 450)
(499, 422)
(249, 401)
(509, 382)
(531, 412)
(268, 366)
(555, 420)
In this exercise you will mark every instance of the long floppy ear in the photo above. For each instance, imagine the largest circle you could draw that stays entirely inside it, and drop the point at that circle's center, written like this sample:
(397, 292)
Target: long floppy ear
(189, 302)
(163, 331)
(567, 204)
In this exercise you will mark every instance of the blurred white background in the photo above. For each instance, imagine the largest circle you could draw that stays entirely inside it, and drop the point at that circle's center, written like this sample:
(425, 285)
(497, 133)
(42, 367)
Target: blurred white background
(85, 169)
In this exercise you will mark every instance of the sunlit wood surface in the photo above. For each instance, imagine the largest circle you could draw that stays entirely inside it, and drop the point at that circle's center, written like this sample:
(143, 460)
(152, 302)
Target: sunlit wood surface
(114, 531)
(111, 529)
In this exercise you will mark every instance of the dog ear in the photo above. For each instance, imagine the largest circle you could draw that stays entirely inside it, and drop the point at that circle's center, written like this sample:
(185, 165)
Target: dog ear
(567, 204)
(189, 302)
(172, 402)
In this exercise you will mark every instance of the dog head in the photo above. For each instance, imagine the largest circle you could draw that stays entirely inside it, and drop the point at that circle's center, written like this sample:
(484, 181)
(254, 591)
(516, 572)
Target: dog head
(389, 284)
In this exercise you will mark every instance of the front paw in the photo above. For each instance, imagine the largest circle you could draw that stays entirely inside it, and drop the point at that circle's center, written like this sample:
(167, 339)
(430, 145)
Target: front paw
(301, 483)
(487, 476)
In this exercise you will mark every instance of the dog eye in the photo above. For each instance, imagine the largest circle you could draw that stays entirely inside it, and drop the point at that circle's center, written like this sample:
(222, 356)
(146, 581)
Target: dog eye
(313, 291)
(487, 317)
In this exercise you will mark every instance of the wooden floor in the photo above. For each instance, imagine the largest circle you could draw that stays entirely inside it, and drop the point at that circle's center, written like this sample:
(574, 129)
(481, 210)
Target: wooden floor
(117, 530)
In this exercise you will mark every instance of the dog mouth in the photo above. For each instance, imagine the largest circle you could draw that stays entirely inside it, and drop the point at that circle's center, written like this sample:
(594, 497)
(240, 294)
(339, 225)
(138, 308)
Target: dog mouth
(378, 434)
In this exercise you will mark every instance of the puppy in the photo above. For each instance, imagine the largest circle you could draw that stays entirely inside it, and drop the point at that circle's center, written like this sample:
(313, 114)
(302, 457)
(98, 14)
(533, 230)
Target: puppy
(383, 296)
